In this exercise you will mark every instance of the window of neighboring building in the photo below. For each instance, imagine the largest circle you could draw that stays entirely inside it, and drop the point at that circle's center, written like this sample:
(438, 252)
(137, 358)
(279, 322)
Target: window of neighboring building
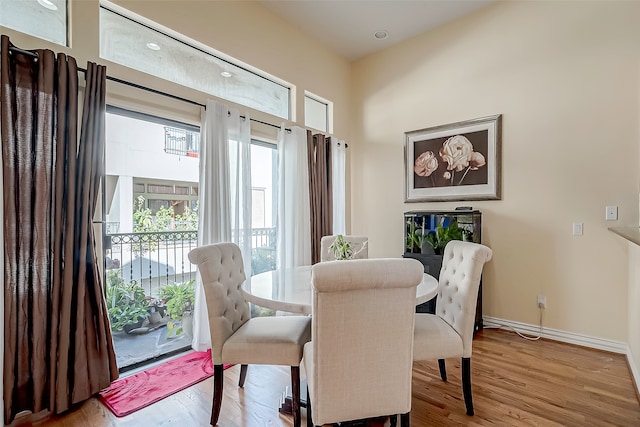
(318, 113)
(166, 194)
(45, 19)
(182, 142)
(151, 49)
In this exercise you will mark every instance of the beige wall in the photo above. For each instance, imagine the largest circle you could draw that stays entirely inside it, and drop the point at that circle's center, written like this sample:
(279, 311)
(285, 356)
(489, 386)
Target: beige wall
(243, 30)
(564, 75)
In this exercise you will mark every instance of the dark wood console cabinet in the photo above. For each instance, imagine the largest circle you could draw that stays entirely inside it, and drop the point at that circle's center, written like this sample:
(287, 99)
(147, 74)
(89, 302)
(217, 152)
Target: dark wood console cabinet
(417, 223)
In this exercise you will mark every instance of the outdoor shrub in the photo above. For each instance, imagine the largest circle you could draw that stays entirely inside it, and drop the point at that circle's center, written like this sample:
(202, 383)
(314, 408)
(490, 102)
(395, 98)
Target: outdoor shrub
(179, 298)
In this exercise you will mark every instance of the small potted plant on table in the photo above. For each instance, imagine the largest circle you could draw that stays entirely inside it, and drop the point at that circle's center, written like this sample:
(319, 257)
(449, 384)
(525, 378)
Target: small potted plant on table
(342, 249)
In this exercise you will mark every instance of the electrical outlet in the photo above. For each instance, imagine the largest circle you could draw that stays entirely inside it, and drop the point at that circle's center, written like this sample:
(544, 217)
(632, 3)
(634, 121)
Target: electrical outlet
(542, 301)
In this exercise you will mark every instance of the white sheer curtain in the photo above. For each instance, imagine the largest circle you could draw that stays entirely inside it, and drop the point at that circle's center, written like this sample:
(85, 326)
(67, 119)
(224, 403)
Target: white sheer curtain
(338, 177)
(293, 225)
(224, 195)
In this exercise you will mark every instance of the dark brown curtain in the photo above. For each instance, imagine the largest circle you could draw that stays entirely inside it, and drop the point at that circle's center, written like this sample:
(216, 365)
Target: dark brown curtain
(320, 194)
(58, 345)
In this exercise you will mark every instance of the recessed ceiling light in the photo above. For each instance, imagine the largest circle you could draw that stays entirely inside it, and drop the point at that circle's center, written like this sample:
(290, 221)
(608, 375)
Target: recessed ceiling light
(226, 74)
(49, 5)
(380, 34)
(153, 46)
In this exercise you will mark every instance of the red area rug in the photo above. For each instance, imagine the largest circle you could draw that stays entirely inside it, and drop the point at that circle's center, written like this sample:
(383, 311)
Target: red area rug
(129, 394)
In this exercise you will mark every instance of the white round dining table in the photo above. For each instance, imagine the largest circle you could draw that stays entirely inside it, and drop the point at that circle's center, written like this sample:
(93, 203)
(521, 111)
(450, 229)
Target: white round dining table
(290, 289)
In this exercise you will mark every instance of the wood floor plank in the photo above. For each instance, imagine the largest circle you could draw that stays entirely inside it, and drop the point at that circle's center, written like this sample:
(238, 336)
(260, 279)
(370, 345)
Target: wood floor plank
(515, 383)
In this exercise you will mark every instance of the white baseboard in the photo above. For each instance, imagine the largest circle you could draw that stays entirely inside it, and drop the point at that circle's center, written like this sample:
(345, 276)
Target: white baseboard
(562, 336)
(571, 338)
(635, 374)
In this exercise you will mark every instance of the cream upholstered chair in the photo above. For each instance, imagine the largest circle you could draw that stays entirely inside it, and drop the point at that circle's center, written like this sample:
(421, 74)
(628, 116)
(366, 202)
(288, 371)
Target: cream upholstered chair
(359, 361)
(449, 332)
(360, 245)
(236, 338)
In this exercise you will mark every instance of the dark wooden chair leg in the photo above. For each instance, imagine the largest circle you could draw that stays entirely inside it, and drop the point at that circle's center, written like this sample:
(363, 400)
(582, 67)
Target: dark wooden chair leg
(466, 384)
(309, 420)
(295, 395)
(218, 383)
(405, 420)
(443, 369)
(393, 420)
(243, 375)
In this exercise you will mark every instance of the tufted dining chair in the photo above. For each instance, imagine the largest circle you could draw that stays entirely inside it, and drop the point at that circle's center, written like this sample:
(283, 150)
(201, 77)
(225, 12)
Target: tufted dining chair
(360, 244)
(449, 332)
(359, 361)
(236, 338)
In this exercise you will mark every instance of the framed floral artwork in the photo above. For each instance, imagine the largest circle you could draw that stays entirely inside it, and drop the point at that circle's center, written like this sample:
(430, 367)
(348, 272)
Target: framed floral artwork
(457, 161)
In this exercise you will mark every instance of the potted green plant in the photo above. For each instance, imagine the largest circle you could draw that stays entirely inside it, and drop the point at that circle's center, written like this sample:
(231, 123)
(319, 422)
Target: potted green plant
(444, 235)
(157, 309)
(416, 239)
(343, 249)
(179, 298)
(126, 303)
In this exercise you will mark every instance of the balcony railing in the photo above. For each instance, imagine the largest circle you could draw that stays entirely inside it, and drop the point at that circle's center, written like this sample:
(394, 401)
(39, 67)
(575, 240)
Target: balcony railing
(113, 227)
(153, 261)
(263, 238)
(157, 259)
(181, 142)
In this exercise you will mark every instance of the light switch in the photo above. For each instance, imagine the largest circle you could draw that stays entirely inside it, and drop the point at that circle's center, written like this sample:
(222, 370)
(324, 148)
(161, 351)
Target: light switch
(611, 213)
(577, 229)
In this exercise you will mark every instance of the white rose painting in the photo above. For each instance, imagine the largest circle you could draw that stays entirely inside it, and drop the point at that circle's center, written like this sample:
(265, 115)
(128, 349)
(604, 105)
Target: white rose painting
(458, 161)
(453, 160)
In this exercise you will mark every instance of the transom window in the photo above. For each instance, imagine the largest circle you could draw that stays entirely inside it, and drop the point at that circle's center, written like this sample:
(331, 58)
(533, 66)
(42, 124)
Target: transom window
(318, 112)
(151, 49)
(45, 19)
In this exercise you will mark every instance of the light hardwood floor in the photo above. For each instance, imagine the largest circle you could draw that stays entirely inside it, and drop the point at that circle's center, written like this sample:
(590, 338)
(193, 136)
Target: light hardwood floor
(515, 383)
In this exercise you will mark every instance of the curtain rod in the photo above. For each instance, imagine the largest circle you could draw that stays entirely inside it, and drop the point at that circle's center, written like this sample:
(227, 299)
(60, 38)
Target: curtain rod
(25, 52)
(148, 89)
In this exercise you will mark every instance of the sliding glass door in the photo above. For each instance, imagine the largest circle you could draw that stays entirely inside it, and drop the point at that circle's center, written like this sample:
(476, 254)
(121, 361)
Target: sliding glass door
(151, 224)
(151, 217)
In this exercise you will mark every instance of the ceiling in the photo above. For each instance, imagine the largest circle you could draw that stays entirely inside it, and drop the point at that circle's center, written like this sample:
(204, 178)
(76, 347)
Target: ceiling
(347, 27)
